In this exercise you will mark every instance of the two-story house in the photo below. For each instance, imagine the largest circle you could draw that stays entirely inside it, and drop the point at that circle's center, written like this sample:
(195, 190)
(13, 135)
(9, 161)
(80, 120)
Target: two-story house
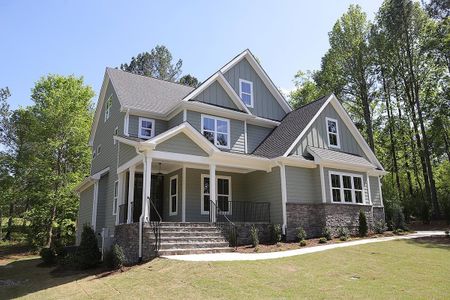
(230, 150)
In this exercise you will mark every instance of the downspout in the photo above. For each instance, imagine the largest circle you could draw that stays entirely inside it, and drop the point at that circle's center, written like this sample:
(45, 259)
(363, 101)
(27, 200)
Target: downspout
(141, 217)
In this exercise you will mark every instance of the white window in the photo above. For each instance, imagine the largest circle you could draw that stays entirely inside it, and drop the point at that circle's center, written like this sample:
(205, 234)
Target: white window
(173, 195)
(217, 131)
(116, 133)
(346, 188)
(332, 133)
(108, 105)
(116, 196)
(146, 128)
(99, 149)
(223, 186)
(246, 92)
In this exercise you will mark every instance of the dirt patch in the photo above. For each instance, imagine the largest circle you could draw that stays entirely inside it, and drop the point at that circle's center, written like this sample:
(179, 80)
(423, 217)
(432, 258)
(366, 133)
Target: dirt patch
(434, 239)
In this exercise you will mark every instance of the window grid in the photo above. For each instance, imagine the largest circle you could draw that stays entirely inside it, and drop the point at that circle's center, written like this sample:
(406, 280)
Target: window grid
(246, 92)
(346, 188)
(146, 128)
(173, 192)
(216, 130)
(332, 133)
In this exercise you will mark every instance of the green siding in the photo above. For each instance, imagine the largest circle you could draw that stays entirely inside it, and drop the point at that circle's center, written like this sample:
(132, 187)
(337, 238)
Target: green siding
(237, 132)
(133, 125)
(176, 120)
(255, 135)
(126, 153)
(327, 183)
(265, 105)
(84, 211)
(216, 95)
(375, 191)
(181, 143)
(317, 135)
(303, 185)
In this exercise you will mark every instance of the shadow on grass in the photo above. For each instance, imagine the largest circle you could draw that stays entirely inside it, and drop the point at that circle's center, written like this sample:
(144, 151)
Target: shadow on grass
(432, 242)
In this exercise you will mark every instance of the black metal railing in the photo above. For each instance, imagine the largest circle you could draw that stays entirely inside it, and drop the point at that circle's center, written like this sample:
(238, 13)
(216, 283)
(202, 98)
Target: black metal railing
(225, 224)
(123, 213)
(244, 211)
(155, 224)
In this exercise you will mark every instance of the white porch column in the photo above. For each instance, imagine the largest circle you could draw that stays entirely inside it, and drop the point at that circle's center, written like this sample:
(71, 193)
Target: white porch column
(322, 184)
(183, 195)
(147, 186)
(132, 171)
(212, 188)
(283, 195)
(369, 196)
(94, 205)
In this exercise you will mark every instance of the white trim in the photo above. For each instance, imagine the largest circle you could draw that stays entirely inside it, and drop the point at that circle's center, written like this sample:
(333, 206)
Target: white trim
(183, 194)
(152, 130)
(381, 192)
(341, 188)
(116, 132)
(322, 184)
(283, 195)
(245, 137)
(241, 81)
(87, 182)
(338, 146)
(115, 197)
(131, 177)
(99, 107)
(228, 146)
(217, 177)
(171, 213)
(99, 149)
(99, 174)
(184, 115)
(94, 205)
(126, 123)
(108, 107)
(368, 189)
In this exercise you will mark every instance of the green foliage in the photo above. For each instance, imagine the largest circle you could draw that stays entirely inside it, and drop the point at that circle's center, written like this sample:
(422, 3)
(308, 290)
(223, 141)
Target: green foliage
(301, 234)
(254, 236)
(302, 243)
(189, 80)
(275, 233)
(326, 233)
(343, 233)
(362, 227)
(380, 227)
(305, 91)
(88, 254)
(323, 240)
(398, 219)
(48, 256)
(115, 258)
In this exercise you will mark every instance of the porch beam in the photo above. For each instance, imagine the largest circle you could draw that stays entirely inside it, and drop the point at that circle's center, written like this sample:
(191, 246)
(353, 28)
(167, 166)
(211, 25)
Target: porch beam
(131, 176)
(212, 188)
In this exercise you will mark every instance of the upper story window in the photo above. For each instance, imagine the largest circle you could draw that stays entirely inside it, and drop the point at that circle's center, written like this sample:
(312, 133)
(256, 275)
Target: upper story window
(216, 130)
(246, 92)
(146, 128)
(333, 133)
(108, 105)
(347, 188)
(116, 197)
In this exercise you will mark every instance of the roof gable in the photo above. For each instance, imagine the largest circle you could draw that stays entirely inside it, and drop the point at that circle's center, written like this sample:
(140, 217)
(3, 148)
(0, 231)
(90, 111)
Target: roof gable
(181, 143)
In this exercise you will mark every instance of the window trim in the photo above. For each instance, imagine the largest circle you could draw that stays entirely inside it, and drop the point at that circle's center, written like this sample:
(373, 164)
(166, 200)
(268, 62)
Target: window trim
(251, 91)
(202, 204)
(140, 128)
(115, 197)
(108, 107)
(116, 133)
(338, 146)
(203, 116)
(341, 188)
(175, 177)
(99, 149)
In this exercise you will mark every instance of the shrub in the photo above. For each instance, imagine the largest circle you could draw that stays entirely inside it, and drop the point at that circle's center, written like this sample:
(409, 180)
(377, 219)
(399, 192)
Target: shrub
(88, 255)
(322, 240)
(48, 255)
(343, 233)
(398, 219)
(326, 233)
(114, 259)
(380, 226)
(363, 228)
(275, 233)
(302, 243)
(301, 234)
(69, 261)
(254, 236)
(232, 236)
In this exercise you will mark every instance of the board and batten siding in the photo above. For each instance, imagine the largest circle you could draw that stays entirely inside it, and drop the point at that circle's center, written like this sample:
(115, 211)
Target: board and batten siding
(176, 120)
(84, 211)
(237, 132)
(216, 95)
(255, 135)
(133, 125)
(316, 135)
(181, 143)
(327, 184)
(303, 185)
(264, 103)
(375, 191)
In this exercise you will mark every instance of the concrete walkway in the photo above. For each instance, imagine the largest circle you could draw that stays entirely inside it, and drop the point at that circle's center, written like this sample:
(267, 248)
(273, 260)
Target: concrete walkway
(232, 256)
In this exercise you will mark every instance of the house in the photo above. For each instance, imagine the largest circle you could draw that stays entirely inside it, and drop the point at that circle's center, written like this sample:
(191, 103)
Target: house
(170, 161)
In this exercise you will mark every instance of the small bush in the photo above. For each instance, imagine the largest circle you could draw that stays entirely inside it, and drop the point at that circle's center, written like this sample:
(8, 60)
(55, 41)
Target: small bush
(275, 233)
(322, 240)
(301, 234)
(363, 228)
(398, 219)
(343, 233)
(88, 255)
(302, 243)
(232, 236)
(398, 231)
(254, 236)
(69, 261)
(114, 259)
(326, 233)
(380, 226)
(48, 256)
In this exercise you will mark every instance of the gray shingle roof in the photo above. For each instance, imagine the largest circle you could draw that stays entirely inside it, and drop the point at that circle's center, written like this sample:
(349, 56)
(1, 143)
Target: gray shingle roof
(283, 136)
(339, 157)
(146, 93)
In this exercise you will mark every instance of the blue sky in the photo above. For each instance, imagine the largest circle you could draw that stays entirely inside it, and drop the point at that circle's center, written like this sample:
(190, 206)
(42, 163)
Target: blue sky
(83, 37)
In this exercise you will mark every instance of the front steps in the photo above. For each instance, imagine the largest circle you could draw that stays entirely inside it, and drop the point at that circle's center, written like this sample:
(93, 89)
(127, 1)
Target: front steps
(190, 238)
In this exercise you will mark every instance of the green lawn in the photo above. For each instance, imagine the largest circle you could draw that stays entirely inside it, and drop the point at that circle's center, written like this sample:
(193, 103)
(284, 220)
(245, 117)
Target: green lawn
(397, 269)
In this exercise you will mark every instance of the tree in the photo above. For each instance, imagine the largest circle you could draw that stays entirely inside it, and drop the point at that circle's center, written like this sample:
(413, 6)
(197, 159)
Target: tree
(189, 80)
(158, 64)
(306, 89)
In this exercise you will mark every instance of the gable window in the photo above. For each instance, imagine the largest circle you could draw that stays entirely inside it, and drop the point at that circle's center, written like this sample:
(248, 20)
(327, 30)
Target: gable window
(246, 92)
(173, 198)
(333, 133)
(116, 196)
(146, 128)
(108, 105)
(216, 130)
(223, 194)
(346, 188)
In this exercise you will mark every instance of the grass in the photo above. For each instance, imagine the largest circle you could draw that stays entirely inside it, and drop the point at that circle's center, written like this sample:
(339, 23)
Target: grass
(398, 269)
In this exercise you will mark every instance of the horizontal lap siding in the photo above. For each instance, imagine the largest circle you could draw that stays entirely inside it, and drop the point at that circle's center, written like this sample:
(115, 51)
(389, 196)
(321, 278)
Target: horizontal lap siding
(133, 126)
(216, 95)
(255, 135)
(303, 185)
(327, 183)
(84, 211)
(375, 191)
(126, 153)
(181, 143)
(175, 121)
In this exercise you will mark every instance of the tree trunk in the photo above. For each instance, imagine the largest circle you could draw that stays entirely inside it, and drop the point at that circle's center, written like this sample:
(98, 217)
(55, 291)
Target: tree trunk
(10, 222)
(50, 227)
(1, 224)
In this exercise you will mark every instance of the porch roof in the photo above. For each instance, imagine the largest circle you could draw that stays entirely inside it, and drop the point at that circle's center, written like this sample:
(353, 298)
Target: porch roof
(331, 156)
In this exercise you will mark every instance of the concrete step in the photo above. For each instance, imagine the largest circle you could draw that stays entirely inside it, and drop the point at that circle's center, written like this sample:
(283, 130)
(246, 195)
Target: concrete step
(187, 229)
(188, 233)
(192, 240)
(195, 245)
(167, 252)
(187, 224)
